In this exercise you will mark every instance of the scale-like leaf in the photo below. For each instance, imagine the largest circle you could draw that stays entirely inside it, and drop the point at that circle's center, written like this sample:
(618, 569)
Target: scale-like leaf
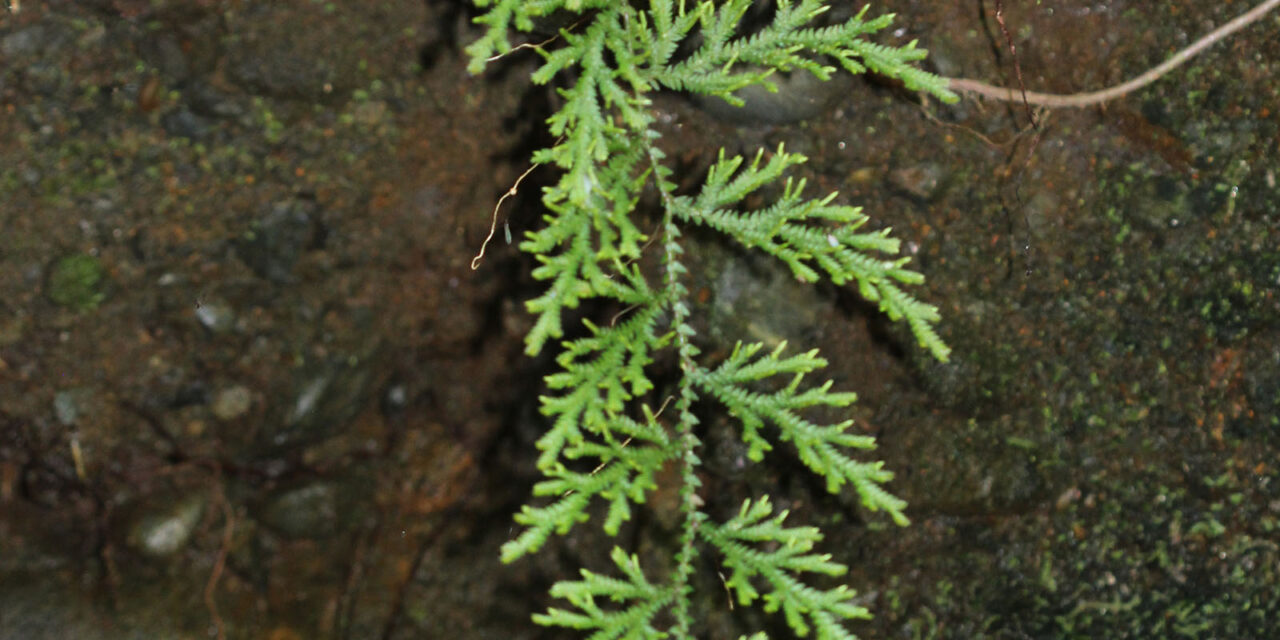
(607, 445)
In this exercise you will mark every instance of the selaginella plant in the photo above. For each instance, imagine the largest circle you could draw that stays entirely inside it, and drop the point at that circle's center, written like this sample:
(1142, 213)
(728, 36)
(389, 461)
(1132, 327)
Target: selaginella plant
(607, 441)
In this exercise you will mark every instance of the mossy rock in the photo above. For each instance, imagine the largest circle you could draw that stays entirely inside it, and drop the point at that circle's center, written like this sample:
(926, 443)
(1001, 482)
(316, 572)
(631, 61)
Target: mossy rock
(77, 282)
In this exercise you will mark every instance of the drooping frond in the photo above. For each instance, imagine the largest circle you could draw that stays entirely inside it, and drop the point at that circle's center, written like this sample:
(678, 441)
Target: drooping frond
(758, 550)
(520, 14)
(811, 235)
(823, 448)
(606, 445)
(599, 375)
(726, 62)
(584, 249)
(622, 478)
(642, 601)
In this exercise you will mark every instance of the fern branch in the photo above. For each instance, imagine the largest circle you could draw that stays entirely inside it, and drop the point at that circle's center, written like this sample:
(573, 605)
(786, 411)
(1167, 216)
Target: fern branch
(757, 547)
(642, 600)
(520, 14)
(787, 44)
(808, 235)
(623, 477)
(821, 447)
(599, 375)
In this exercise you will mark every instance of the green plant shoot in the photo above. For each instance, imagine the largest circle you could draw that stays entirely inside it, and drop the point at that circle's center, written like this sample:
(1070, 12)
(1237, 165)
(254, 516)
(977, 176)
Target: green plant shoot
(605, 444)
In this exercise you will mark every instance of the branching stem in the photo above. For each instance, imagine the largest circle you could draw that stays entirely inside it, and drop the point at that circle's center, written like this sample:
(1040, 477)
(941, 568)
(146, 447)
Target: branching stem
(688, 441)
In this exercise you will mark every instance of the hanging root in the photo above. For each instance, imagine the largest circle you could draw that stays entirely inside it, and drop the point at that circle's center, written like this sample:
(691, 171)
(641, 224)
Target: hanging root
(1098, 97)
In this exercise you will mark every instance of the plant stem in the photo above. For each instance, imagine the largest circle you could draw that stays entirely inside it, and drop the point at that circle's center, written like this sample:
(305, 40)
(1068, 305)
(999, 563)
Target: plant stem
(687, 441)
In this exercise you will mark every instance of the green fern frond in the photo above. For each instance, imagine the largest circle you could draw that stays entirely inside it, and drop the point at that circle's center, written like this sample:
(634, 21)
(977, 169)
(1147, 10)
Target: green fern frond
(605, 444)
(921, 317)
(805, 234)
(541, 522)
(593, 244)
(892, 62)
(670, 29)
(623, 477)
(821, 447)
(520, 14)
(642, 599)
(600, 374)
(786, 45)
(758, 548)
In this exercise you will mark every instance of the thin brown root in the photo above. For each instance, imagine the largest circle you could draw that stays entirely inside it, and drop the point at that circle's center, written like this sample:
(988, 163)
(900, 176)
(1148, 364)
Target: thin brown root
(228, 530)
(493, 226)
(529, 45)
(1077, 100)
(974, 132)
(1017, 66)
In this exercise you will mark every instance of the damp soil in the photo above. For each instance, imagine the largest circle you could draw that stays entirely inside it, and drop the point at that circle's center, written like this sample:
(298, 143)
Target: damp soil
(252, 387)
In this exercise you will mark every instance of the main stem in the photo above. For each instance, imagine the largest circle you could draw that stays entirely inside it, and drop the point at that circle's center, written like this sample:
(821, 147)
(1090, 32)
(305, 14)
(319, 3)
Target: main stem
(686, 440)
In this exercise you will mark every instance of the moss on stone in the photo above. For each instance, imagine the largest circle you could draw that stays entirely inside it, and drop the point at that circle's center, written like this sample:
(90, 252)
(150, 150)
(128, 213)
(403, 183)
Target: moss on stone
(76, 282)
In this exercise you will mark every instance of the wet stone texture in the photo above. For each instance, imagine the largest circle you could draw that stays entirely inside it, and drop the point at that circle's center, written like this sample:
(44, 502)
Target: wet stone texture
(250, 386)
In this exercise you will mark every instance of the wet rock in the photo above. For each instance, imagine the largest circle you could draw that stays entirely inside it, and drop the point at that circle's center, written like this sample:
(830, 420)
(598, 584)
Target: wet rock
(46, 484)
(371, 113)
(756, 299)
(800, 96)
(1159, 203)
(31, 176)
(947, 57)
(23, 41)
(329, 397)
(37, 604)
(964, 470)
(981, 374)
(307, 64)
(325, 396)
(1203, 200)
(278, 70)
(189, 394)
(275, 242)
(38, 39)
(196, 28)
(78, 282)
(164, 527)
(232, 402)
(395, 399)
(1237, 297)
(1040, 212)
(165, 52)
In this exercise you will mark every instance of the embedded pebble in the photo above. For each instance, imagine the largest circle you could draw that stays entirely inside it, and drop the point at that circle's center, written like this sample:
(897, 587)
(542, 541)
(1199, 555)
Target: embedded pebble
(70, 405)
(304, 511)
(164, 529)
(215, 316)
(232, 402)
(923, 182)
